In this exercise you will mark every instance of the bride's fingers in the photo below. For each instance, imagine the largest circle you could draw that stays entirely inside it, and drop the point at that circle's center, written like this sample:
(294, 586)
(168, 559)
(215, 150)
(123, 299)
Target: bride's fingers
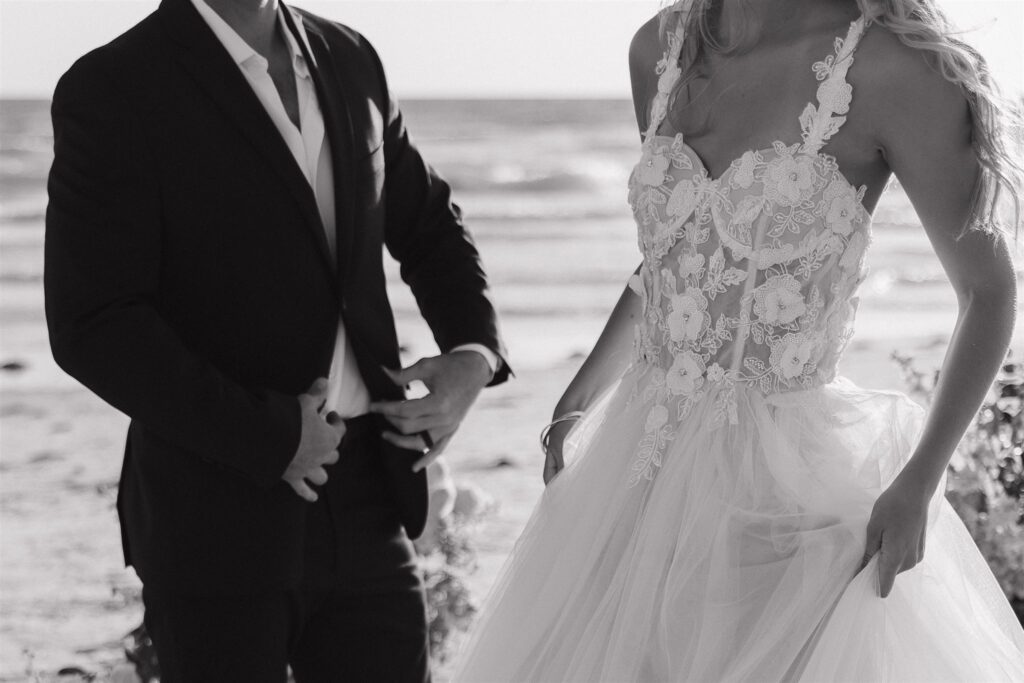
(553, 464)
(914, 554)
(872, 544)
(890, 560)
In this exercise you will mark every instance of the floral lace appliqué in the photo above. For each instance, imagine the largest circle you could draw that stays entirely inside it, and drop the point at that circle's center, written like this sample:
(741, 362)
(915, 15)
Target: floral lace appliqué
(748, 281)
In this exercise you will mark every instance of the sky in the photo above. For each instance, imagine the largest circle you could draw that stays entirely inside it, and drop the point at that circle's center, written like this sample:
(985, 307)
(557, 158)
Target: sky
(449, 48)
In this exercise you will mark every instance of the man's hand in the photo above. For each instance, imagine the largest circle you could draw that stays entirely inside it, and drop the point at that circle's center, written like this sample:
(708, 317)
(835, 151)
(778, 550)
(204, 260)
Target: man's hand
(454, 380)
(318, 445)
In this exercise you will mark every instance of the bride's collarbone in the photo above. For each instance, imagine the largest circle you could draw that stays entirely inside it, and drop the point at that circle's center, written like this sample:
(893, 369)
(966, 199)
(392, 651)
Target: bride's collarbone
(749, 102)
(723, 142)
(724, 120)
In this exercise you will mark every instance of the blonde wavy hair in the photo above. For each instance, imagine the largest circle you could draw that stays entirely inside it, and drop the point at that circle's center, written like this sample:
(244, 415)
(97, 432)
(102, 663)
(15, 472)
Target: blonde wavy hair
(997, 123)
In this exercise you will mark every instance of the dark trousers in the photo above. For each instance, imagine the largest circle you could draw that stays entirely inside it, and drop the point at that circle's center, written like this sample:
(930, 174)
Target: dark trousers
(359, 614)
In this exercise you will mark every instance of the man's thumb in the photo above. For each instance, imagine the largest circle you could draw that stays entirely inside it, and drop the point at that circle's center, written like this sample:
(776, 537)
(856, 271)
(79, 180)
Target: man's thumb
(403, 376)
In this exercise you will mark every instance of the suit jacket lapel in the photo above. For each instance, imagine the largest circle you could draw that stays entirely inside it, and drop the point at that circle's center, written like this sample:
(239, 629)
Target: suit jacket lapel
(339, 130)
(217, 74)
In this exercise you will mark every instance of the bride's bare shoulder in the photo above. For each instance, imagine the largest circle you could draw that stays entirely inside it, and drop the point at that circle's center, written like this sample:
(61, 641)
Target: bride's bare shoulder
(645, 50)
(900, 84)
(647, 46)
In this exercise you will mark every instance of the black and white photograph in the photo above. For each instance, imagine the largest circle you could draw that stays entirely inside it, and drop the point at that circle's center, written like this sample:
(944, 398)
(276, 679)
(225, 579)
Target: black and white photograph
(511, 341)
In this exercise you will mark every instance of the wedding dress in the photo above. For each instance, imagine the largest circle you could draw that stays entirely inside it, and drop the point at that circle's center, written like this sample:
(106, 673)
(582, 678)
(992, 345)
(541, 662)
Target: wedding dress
(712, 522)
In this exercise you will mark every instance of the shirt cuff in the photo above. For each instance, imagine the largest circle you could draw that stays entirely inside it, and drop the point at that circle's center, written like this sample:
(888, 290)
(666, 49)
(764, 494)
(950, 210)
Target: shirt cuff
(490, 356)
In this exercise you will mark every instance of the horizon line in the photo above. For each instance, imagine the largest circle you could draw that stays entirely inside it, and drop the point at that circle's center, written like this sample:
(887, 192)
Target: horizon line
(540, 97)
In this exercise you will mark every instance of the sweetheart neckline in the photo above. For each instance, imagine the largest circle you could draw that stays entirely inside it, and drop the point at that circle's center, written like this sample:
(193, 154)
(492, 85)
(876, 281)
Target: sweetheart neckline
(695, 157)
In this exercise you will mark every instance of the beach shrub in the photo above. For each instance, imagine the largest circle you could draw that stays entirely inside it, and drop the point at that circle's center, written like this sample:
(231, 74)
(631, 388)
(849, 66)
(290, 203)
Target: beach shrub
(450, 605)
(985, 480)
(447, 556)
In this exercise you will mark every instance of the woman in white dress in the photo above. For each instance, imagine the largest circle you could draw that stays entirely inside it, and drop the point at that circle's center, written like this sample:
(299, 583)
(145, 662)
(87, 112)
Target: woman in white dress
(735, 511)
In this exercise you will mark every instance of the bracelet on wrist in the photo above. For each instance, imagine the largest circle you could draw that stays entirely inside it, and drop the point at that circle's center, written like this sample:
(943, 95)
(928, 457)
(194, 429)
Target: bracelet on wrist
(545, 434)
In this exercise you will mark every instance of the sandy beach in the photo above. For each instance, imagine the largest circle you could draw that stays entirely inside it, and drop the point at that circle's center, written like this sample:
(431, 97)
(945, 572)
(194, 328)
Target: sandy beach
(68, 600)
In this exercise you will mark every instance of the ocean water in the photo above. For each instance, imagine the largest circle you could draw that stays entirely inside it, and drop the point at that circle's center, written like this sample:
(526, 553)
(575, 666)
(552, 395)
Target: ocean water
(543, 187)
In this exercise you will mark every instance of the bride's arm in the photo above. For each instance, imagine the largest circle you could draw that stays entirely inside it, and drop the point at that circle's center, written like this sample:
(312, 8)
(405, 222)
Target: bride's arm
(611, 354)
(608, 360)
(645, 50)
(925, 133)
(606, 363)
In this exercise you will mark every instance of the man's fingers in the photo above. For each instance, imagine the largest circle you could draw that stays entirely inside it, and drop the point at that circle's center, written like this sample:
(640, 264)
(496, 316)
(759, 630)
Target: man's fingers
(425, 461)
(410, 426)
(396, 376)
(433, 454)
(412, 408)
(317, 475)
(412, 442)
(419, 370)
(315, 396)
(302, 488)
(330, 457)
(339, 430)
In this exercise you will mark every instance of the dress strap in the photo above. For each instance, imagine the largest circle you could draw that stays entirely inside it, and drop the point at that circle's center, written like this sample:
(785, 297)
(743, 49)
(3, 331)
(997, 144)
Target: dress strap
(821, 122)
(668, 68)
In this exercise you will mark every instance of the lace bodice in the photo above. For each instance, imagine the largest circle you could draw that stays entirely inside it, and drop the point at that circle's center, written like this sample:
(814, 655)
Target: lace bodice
(748, 279)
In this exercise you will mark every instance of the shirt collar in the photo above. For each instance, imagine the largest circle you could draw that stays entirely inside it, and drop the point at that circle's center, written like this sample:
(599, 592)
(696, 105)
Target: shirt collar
(298, 60)
(241, 52)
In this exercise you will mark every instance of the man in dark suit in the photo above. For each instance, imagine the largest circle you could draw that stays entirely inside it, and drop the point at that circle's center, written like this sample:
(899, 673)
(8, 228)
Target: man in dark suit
(226, 174)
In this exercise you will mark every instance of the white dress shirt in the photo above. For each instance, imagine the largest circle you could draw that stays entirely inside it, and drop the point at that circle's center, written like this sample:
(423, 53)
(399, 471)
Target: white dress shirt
(347, 394)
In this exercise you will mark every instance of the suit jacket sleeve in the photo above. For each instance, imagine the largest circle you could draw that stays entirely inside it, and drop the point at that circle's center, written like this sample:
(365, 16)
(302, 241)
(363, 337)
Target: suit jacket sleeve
(102, 291)
(425, 233)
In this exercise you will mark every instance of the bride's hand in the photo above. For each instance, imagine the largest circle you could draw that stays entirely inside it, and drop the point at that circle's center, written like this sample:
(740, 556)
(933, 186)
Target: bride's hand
(896, 529)
(553, 460)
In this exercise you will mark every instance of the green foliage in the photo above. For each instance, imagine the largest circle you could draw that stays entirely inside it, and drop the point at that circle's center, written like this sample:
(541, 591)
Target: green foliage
(986, 474)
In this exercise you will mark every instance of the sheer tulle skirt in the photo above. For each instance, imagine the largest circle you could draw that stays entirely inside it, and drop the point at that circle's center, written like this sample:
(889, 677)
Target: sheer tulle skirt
(738, 560)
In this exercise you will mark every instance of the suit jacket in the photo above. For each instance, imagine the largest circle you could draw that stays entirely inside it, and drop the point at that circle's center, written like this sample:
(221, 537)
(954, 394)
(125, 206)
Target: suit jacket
(189, 284)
